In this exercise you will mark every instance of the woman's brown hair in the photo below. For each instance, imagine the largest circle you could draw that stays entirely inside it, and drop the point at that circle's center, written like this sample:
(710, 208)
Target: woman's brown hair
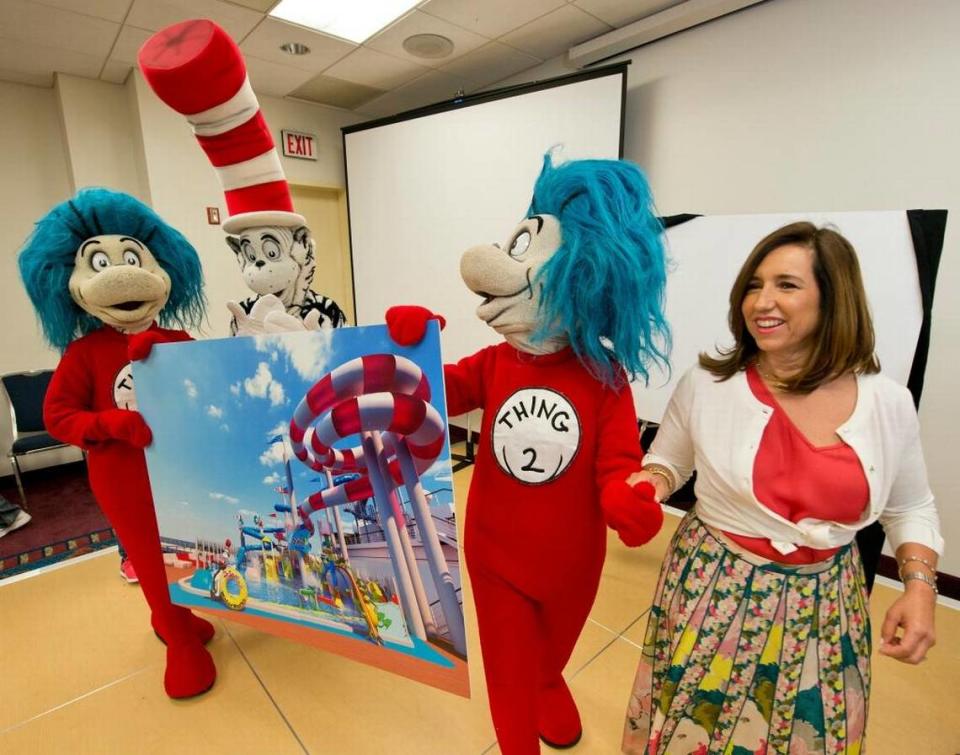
(845, 340)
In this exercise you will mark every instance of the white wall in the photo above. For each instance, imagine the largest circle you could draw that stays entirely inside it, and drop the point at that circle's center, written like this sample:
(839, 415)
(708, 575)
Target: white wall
(98, 128)
(34, 178)
(804, 105)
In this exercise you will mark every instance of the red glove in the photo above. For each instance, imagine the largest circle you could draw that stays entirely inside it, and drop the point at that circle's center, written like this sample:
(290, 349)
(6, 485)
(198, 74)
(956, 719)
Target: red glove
(123, 425)
(633, 512)
(408, 324)
(140, 345)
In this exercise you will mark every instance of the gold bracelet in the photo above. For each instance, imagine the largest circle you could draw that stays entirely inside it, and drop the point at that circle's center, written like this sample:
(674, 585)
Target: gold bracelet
(661, 471)
(922, 577)
(919, 559)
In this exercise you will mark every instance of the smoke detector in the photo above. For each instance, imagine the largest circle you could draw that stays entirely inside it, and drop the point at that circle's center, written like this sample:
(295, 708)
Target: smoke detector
(428, 46)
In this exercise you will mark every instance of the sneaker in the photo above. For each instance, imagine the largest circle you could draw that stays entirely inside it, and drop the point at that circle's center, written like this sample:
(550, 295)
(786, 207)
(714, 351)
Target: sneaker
(19, 520)
(127, 572)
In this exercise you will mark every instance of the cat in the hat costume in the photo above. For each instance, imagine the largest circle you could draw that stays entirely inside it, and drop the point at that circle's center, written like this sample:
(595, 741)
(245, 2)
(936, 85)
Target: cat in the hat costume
(577, 293)
(198, 70)
(100, 269)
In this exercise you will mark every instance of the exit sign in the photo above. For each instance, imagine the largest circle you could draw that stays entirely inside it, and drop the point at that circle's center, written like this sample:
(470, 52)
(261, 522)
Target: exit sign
(300, 145)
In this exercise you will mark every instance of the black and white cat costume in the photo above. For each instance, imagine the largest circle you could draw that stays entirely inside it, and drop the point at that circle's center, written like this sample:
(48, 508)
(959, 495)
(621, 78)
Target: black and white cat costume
(278, 264)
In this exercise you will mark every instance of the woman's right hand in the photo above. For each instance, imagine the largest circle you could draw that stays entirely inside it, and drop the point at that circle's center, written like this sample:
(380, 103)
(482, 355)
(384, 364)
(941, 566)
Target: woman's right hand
(659, 484)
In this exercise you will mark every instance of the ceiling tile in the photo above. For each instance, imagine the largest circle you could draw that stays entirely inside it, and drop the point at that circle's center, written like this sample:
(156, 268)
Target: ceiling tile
(22, 77)
(53, 28)
(267, 77)
(432, 88)
(264, 43)
(390, 40)
(435, 87)
(330, 91)
(32, 60)
(261, 5)
(619, 13)
(158, 14)
(556, 32)
(128, 44)
(490, 18)
(111, 10)
(116, 71)
(491, 63)
(375, 69)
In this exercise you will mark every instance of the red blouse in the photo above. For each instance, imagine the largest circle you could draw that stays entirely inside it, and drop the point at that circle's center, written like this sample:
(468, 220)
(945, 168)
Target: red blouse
(798, 480)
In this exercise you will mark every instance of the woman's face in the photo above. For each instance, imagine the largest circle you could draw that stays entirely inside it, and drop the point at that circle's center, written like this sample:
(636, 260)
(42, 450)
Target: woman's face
(781, 307)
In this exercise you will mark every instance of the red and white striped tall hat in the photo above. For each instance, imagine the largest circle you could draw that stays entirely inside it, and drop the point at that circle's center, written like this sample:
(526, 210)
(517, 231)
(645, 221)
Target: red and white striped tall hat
(198, 70)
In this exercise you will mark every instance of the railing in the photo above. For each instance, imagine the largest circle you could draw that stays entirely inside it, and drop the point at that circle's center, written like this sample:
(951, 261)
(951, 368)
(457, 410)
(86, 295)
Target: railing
(446, 531)
(440, 621)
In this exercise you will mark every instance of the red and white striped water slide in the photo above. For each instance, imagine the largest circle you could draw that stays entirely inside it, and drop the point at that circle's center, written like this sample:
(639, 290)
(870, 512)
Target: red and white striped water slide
(385, 400)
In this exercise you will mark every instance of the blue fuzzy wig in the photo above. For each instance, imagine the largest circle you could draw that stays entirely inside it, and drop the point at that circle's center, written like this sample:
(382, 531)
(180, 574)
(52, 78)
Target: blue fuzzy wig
(47, 260)
(604, 286)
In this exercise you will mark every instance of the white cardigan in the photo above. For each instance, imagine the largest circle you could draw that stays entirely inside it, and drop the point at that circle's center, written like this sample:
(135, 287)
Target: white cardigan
(716, 427)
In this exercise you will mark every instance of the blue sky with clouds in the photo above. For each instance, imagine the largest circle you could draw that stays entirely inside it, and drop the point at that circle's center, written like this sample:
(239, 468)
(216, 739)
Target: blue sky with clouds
(213, 406)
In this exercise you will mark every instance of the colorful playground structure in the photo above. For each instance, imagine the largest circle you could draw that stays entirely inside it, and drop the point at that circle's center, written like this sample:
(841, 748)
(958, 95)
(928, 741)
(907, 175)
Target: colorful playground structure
(383, 399)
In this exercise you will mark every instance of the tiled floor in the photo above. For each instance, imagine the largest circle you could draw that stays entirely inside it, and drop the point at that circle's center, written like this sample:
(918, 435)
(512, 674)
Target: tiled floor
(82, 673)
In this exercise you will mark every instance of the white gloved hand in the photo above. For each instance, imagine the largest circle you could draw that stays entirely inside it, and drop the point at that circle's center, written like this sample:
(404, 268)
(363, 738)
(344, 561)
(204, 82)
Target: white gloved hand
(283, 322)
(255, 323)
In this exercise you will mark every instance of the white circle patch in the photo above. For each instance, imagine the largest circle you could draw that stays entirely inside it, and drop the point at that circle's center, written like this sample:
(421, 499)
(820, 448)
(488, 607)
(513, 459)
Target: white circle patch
(535, 435)
(123, 395)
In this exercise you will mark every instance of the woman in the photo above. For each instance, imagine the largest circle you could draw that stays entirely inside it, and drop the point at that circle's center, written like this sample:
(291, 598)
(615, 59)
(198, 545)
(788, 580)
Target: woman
(759, 635)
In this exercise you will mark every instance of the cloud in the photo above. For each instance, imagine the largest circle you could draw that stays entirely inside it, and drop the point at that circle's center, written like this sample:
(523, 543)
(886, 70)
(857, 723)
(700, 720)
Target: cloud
(225, 427)
(226, 498)
(262, 384)
(308, 352)
(215, 411)
(191, 388)
(271, 479)
(273, 455)
(183, 503)
(235, 389)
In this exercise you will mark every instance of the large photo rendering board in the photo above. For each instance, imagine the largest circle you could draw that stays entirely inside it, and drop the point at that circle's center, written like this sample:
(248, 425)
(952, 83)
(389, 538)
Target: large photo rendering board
(303, 487)
(707, 252)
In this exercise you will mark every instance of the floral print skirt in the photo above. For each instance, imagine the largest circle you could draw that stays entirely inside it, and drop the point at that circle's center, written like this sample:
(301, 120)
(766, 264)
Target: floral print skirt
(744, 656)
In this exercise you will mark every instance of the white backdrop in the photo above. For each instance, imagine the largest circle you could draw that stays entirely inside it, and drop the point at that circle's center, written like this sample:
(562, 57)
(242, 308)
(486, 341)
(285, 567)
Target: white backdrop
(707, 253)
(424, 190)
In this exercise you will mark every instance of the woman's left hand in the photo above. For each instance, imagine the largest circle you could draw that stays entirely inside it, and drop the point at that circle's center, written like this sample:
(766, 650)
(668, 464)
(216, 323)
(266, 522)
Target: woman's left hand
(907, 632)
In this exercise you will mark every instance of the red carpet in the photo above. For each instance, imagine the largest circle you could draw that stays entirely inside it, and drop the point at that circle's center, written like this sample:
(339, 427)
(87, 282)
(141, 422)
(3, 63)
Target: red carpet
(66, 520)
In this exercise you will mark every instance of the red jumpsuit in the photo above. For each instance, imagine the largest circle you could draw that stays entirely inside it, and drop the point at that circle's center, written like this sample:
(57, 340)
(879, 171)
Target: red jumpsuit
(535, 537)
(92, 379)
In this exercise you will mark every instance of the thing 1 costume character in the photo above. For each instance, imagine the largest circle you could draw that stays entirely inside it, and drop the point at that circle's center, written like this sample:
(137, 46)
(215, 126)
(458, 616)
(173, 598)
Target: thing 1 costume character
(100, 268)
(577, 293)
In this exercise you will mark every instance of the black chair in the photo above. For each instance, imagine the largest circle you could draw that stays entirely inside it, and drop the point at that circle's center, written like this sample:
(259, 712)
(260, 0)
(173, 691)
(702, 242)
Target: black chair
(25, 393)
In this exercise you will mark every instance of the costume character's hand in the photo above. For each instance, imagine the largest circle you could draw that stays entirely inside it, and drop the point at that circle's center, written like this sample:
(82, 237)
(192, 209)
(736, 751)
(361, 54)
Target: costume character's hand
(255, 323)
(140, 345)
(633, 512)
(312, 320)
(124, 425)
(408, 324)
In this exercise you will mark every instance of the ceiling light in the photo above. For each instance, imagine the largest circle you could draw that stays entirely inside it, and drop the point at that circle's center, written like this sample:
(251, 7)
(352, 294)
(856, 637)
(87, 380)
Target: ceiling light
(428, 46)
(347, 19)
(294, 48)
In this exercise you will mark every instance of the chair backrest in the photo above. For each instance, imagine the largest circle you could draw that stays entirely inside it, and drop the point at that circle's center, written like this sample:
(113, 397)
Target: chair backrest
(26, 391)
